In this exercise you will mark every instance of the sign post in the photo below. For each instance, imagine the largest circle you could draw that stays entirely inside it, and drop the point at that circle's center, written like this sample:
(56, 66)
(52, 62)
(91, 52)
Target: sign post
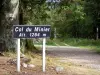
(44, 55)
(31, 31)
(18, 55)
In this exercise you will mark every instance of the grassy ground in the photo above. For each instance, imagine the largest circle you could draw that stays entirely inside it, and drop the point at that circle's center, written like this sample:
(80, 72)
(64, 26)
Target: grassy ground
(84, 43)
(48, 42)
(55, 42)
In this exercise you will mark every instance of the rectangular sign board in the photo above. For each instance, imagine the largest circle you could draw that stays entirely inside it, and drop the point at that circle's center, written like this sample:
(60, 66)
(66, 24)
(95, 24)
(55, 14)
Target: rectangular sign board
(31, 31)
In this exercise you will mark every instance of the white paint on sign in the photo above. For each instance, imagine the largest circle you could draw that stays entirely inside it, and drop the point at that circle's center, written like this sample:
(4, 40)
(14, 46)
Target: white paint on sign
(34, 34)
(28, 29)
(18, 29)
(44, 34)
(22, 35)
(41, 29)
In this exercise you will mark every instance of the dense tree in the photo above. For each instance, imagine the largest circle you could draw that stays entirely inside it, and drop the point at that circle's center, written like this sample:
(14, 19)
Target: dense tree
(67, 16)
(92, 9)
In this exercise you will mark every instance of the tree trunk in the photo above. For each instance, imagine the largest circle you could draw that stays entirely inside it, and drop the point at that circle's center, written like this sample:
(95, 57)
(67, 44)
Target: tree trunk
(8, 17)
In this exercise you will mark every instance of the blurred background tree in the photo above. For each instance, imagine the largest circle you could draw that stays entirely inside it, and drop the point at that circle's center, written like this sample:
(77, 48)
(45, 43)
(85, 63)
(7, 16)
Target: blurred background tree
(68, 18)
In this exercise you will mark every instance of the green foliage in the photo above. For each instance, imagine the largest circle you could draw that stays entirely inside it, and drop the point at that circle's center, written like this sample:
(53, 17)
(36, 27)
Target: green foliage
(92, 9)
(30, 46)
(51, 42)
(82, 42)
(71, 18)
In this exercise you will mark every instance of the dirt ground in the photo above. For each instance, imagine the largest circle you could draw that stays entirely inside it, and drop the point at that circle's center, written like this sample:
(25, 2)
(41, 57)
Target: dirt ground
(75, 61)
(8, 69)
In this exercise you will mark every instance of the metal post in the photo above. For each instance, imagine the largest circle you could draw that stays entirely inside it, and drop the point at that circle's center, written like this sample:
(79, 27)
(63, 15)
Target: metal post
(44, 55)
(55, 32)
(97, 36)
(18, 55)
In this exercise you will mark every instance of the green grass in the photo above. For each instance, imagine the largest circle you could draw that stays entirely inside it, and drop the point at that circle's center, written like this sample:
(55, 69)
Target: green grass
(48, 42)
(55, 42)
(59, 42)
(51, 42)
(82, 42)
(85, 43)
